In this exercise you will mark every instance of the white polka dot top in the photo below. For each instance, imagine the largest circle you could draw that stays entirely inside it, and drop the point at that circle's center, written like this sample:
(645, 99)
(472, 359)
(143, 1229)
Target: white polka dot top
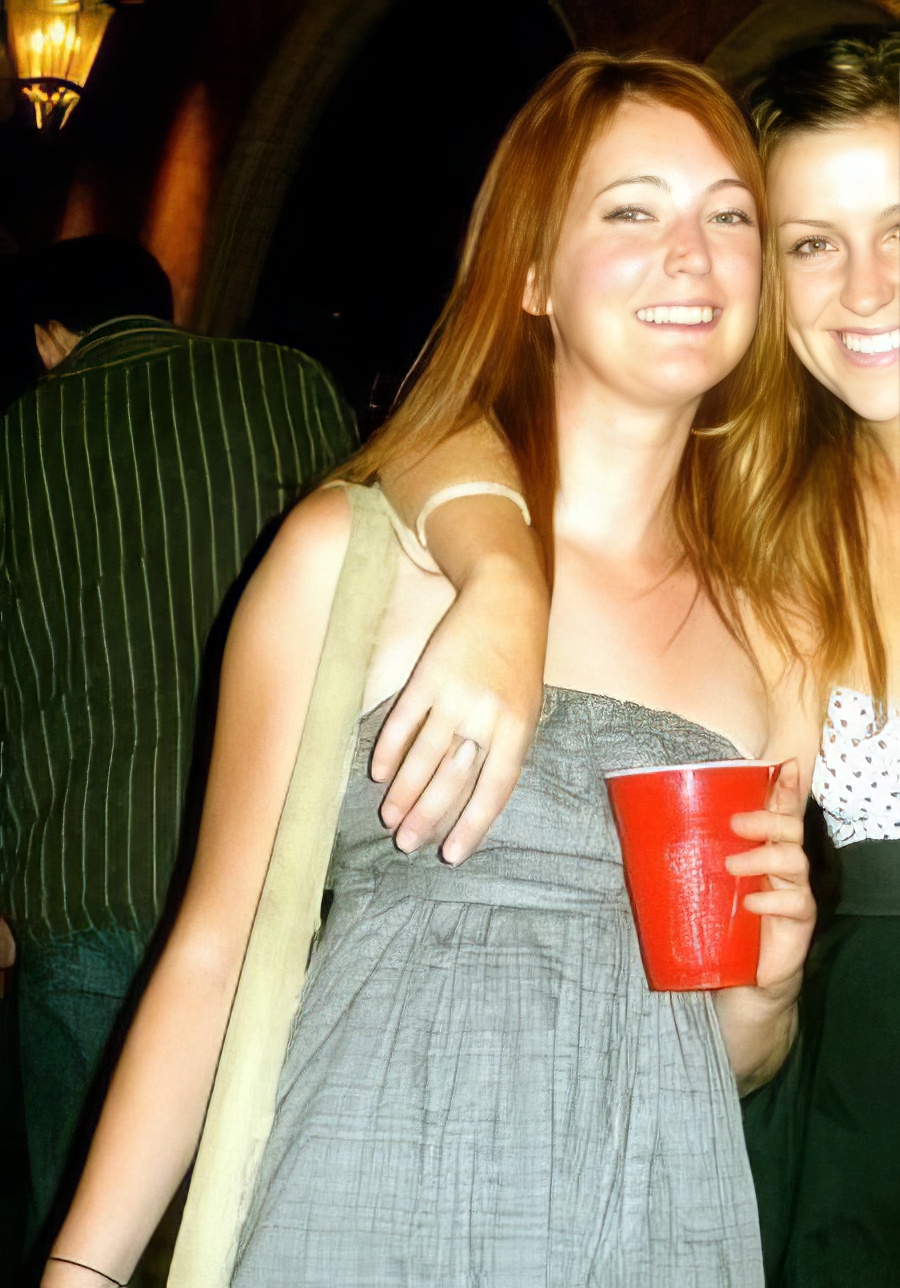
(857, 774)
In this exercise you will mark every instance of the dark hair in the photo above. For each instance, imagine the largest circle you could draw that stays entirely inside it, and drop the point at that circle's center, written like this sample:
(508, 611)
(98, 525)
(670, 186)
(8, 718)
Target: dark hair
(838, 82)
(85, 281)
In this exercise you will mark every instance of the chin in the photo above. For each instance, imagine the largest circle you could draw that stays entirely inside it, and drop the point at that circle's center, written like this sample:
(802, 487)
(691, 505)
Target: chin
(880, 414)
(878, 407)
(683, 385)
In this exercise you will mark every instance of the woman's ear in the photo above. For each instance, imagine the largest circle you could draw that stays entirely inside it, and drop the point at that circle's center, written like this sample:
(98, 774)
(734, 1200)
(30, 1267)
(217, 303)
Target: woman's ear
(532, 302)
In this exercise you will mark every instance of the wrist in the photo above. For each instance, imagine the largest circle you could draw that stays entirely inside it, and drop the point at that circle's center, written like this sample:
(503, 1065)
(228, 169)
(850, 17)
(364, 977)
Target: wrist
(73, 1272)
(461, 491)
(758, 1027)
(483, 536)
(760, 1007)
(783, 1034)
(781, 998)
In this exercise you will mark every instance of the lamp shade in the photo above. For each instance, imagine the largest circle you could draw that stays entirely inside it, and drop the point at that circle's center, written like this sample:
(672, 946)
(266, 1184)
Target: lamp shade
(53, 44)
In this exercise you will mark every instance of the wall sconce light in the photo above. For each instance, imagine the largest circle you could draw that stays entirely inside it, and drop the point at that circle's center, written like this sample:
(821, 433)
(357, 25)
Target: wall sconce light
(52, 45)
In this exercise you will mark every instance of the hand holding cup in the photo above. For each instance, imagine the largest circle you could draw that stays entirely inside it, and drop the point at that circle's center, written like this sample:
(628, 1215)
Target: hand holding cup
(785, 902)
(699, 906)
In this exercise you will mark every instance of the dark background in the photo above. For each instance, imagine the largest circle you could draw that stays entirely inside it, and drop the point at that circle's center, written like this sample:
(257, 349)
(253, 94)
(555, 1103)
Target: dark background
(364, 252)
(364, 247)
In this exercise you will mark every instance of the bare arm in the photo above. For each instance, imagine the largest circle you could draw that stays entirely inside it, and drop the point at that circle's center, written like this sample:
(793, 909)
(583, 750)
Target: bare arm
(151, 1122)
(474, 454)
(477, 689)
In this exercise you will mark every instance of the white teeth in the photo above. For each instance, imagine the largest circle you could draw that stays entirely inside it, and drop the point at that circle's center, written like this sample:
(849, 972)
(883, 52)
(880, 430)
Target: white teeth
(680, 314)
(881, 343)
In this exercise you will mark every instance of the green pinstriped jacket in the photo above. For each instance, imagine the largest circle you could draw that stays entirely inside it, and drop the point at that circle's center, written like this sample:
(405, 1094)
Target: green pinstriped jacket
(134, 480)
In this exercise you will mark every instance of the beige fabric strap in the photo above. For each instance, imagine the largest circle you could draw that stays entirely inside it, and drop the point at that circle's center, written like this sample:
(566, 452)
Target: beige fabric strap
(409, 542)
(242, 1106)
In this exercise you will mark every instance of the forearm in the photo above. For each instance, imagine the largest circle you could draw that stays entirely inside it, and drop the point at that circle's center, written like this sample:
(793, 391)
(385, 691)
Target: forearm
(474, 454)
(151, 1121)
(758, 1029)
(475, 533)
(481, 677)
(486, 537)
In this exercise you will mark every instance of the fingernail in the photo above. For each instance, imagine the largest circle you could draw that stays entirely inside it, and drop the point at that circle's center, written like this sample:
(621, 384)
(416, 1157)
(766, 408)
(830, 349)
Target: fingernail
(450, 852)
(377, 773)
(406, 840)
(390, 814)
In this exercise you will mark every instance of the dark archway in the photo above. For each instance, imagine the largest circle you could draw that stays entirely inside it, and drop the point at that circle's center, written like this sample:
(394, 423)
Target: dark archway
(365, 247)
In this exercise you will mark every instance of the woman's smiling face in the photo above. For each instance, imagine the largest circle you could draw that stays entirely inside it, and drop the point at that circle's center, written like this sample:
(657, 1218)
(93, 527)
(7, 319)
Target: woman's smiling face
(835, 205)
(654, 288)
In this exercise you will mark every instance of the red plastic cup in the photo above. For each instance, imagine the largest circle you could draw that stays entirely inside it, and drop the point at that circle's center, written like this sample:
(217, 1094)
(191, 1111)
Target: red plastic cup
(674, 827)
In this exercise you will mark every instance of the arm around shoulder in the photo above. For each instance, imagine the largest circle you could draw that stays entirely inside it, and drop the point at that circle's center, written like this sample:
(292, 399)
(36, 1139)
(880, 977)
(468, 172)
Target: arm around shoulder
(483, 668)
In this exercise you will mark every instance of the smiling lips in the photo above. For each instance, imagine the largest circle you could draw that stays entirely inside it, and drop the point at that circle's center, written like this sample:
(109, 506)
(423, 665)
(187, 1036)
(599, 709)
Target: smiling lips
(678, 314)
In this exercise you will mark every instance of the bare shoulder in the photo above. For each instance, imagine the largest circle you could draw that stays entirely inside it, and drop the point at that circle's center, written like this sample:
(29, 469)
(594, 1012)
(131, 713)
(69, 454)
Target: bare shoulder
(279, 627)
(312, 540)
(297, 578)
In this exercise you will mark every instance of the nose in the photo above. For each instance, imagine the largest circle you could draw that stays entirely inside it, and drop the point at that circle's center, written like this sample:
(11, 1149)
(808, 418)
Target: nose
(870, 281)
(687, 250)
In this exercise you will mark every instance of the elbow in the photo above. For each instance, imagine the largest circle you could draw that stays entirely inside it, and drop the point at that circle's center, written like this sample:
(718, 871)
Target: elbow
(204, 960)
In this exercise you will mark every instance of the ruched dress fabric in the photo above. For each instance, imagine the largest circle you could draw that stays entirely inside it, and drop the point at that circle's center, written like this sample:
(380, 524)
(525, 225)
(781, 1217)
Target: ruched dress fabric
(480, 1089)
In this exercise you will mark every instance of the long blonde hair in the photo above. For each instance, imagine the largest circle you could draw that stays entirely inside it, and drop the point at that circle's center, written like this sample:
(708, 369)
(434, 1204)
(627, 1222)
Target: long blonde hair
(489, 359)
(797, 463)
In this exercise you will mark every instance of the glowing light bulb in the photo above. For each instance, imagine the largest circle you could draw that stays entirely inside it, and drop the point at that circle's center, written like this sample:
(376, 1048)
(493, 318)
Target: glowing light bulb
(52, 46)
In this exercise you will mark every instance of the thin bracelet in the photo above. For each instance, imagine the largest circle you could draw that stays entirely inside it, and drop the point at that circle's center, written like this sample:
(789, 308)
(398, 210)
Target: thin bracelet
(93, 1269)
(467, 489)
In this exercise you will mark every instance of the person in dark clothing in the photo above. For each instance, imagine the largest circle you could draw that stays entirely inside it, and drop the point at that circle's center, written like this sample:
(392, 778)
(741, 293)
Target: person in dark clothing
(136, 477)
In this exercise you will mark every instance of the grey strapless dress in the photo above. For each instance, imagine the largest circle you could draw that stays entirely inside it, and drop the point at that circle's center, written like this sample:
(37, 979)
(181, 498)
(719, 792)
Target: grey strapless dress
(480, 1089)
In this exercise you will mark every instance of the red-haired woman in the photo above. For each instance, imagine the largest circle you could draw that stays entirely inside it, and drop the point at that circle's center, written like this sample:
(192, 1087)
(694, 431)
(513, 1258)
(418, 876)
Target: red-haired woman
(480, 1088)
(819, 473)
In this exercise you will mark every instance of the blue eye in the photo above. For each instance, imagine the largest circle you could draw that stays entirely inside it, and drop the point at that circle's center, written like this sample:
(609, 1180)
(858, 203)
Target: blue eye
(729, 218)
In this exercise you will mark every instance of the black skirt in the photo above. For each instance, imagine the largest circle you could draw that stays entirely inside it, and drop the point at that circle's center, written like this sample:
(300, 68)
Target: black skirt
(824, 1136)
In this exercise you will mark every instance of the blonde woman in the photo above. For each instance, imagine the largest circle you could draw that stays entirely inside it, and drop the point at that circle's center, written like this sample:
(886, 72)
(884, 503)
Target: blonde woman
(480, 1088)
(826, 1141)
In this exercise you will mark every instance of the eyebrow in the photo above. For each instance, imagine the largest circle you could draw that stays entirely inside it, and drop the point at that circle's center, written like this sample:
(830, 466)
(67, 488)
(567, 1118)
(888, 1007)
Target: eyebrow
(824, 223)
(657, 182)
(810, 223)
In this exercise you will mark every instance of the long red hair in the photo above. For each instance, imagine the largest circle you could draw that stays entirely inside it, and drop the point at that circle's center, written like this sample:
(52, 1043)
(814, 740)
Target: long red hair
(489, 359)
